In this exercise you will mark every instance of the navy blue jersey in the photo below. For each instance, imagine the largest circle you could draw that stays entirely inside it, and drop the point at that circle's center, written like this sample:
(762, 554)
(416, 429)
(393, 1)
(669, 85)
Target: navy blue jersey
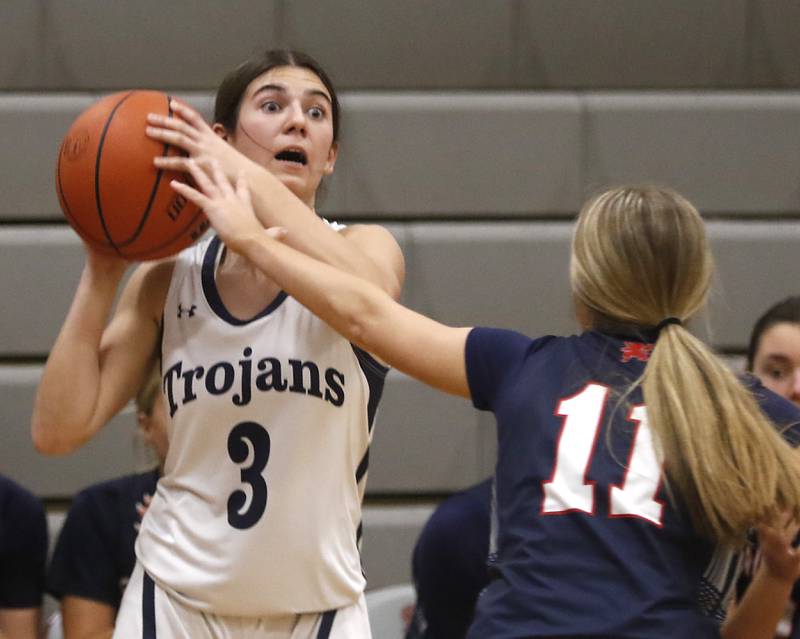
(449, 564)
(23, 547)
(94, 555)
(588, 541)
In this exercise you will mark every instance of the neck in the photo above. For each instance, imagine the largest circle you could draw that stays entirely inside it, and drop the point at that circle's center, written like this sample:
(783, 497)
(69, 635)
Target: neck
(612, 326)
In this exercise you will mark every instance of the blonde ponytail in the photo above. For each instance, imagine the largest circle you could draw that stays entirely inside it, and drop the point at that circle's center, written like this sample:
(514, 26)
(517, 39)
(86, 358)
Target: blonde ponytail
(640, 255)
(722, 455)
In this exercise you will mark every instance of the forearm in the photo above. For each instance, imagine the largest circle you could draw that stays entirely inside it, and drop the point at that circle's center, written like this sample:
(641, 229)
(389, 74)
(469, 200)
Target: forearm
(757, 615)
(275, 205)
(347, 303)
(71, 378)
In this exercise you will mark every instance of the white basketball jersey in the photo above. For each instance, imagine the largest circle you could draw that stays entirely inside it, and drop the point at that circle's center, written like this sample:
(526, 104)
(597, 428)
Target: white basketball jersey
(259, 509)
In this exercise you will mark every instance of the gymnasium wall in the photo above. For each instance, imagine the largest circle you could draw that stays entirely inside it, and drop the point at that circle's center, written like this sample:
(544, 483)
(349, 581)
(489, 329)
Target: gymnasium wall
(473, 130)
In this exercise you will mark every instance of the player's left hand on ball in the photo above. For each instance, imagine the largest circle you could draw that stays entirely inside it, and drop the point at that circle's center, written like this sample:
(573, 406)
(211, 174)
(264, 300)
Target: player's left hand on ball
(227, 206)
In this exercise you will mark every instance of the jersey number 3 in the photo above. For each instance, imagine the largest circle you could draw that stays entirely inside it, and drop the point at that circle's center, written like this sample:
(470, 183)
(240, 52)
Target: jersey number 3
(244, 437)
(569, 490)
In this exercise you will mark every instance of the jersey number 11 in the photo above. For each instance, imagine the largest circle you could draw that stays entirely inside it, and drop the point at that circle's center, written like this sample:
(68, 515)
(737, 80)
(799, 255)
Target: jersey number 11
(569, 490)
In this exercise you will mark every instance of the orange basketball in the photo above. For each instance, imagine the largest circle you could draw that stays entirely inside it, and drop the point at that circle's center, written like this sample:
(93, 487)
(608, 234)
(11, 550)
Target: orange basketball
(109, 189)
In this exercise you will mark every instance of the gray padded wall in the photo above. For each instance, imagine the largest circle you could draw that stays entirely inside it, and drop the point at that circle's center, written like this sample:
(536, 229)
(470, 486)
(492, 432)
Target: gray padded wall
(414, 44)
(496, 155)
(90, 44)
(509, 274)
(633, 43)
(389, 536)
(728, 153)
(113, 452)
(448, 44)
(435, 155)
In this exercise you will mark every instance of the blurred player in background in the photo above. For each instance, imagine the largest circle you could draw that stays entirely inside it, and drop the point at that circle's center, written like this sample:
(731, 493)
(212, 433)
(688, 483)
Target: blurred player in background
(773, 355)
(23, 554)
(449, 564)
(255, 526)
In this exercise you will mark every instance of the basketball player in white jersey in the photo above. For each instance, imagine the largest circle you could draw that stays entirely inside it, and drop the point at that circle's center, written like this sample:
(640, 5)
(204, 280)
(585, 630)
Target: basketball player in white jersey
(255, 525)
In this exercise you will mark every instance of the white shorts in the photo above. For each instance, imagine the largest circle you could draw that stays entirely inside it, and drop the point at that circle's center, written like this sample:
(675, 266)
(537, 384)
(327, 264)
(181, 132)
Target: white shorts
(149, 612)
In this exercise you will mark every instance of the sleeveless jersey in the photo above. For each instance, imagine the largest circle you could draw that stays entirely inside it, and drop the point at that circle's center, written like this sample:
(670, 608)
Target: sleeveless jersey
(586, 540)
(259, 509)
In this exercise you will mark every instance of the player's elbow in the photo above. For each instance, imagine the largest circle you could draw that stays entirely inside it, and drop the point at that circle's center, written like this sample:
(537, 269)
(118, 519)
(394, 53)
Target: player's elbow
(362, 321)
(48, 438)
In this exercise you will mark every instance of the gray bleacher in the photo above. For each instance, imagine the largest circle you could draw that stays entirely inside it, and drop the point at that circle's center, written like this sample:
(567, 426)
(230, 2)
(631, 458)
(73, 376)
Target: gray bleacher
(472, 129)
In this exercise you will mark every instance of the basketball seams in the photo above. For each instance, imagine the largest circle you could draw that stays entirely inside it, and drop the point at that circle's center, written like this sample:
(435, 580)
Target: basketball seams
(153, 193)
(73, 219)
(98, 204)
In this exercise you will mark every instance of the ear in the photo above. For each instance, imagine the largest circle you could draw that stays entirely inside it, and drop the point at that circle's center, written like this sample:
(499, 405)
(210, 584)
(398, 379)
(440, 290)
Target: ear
(220, 130)
(330, 162)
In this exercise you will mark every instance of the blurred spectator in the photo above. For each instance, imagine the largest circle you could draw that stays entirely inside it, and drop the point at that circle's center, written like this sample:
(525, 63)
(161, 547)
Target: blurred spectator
(23, 555)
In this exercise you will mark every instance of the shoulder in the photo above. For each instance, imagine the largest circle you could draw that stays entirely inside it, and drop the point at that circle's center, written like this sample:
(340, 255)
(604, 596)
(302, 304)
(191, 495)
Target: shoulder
(782, 412)
(504, 343)
(371, 236)
(382, 248)
(468, 507)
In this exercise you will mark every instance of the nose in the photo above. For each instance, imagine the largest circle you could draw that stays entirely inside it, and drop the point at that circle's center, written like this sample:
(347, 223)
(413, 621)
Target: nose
(295, 118)
(795, 389)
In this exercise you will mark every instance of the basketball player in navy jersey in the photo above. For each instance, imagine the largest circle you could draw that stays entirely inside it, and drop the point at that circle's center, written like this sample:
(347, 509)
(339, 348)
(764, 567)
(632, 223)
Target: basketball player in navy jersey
(448, 564)
(254, 529)
(23, 554)
(626, 454)
(773, 355)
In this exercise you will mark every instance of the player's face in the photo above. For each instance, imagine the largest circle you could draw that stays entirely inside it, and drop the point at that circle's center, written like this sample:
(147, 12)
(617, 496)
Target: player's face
(286, 125)
(777, 360)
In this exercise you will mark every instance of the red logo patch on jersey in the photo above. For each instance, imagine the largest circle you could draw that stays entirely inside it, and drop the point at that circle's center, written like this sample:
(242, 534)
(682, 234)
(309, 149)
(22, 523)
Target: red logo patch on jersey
(636, 350)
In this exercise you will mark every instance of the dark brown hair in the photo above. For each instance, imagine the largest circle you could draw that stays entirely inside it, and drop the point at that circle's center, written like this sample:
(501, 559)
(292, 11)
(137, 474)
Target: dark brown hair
(232, 88)
(787, 310)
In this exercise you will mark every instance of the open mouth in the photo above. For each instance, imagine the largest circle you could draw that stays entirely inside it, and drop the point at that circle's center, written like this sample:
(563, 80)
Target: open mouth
(292, 155)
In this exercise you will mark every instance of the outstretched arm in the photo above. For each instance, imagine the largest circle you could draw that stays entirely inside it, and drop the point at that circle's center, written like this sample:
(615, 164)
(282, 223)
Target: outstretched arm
(367, 251)
(356, 308)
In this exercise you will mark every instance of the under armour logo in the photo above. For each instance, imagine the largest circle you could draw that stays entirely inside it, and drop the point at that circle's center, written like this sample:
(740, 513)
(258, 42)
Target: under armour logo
(636, 350)
(189, 311)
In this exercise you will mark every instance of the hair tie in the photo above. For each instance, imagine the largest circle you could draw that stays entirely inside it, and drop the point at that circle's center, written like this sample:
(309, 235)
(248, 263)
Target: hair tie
(666, 322)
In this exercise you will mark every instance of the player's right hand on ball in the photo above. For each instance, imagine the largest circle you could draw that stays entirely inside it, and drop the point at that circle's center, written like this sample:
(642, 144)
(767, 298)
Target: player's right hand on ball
(104, 263)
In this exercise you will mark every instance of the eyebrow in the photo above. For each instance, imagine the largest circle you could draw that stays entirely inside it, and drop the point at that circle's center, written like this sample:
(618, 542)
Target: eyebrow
(282, 89)
(776, 358)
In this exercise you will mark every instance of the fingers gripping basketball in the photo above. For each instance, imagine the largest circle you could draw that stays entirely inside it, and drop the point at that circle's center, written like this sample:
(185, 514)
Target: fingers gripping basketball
(109, 189)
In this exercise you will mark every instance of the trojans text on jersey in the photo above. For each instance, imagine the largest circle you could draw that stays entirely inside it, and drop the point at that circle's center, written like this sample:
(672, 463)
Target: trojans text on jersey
(181, 385)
